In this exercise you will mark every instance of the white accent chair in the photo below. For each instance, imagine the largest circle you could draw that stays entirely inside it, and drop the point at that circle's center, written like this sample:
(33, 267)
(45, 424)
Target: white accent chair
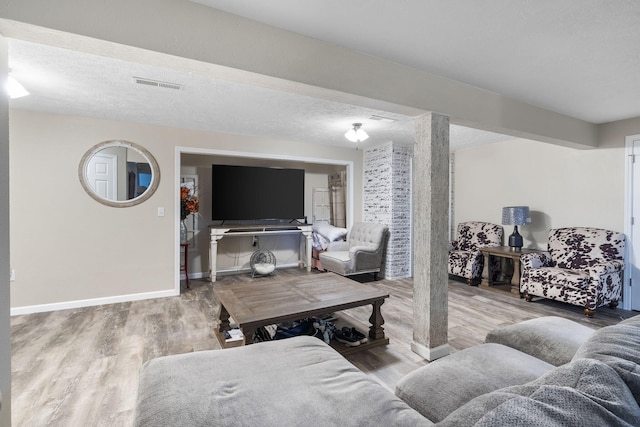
(362, 252)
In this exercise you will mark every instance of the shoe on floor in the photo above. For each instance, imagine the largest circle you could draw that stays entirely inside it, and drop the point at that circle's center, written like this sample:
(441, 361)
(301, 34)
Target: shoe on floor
(346, 337)
(362, 338)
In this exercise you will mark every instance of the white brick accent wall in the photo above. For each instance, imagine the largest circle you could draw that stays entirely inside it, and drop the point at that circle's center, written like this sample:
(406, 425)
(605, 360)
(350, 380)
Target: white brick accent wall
(387, 200)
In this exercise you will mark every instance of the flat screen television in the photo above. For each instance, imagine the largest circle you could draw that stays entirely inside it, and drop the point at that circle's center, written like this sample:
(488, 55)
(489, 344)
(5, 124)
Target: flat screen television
(250, 193)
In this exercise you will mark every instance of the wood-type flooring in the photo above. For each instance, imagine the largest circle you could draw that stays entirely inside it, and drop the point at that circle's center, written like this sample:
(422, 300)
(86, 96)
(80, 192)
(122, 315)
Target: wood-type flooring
(79, 367)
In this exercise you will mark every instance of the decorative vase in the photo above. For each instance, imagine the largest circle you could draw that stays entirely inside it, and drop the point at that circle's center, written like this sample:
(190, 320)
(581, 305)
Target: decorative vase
(183, 232)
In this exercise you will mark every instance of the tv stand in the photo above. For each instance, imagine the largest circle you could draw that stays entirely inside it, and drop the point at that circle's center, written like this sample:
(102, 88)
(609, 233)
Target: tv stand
(217, 232)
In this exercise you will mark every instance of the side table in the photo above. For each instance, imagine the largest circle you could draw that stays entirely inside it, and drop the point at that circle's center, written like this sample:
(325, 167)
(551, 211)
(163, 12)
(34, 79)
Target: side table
(505, 252)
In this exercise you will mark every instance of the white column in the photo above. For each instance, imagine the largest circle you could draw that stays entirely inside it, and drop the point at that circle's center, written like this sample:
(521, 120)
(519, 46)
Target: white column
(430, 236)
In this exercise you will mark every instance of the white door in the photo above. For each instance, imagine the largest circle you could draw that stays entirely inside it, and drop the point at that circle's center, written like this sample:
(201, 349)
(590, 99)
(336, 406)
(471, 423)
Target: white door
(632, 288)
(102, 173)
(321, 205)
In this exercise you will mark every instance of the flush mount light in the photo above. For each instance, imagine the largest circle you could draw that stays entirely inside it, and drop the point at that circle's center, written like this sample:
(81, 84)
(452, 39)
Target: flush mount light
(15, 89)
(356, 134)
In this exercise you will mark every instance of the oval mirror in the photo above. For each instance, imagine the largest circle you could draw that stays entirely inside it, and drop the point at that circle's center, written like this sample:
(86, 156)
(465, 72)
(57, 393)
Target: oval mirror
(119, 173)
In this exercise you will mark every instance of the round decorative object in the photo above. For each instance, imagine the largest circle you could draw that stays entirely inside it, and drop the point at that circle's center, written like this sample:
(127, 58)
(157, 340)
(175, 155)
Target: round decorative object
(119, 173)
(263, 263)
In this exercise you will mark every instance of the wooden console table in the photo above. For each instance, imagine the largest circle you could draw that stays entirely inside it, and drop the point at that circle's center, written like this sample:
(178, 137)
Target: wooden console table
(505, 252)
(218, 232)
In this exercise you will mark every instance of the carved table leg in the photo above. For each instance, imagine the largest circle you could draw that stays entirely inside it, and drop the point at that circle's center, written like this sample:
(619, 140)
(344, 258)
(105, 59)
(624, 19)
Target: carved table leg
(248, 335)
(515, 278)
(223, 325)
(376, 331)
(486, 270)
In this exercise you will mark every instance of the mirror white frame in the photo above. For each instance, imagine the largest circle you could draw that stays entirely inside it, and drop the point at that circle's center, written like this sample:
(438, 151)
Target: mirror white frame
(153, 185)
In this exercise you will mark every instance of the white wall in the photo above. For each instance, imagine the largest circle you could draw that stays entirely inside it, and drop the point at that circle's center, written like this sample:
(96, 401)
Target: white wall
(67, 247)
(563, 187)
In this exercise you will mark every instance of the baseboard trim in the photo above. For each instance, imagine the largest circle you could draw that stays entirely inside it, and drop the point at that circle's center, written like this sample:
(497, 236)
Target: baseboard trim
(240, 270)
(431, 354)
(41, 308)
(194, 276)
(29, 309)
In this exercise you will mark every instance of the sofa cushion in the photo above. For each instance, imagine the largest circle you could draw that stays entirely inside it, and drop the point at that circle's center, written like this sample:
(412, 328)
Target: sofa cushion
(583, 392)
(337, 261)
(560, 277)
(619, 347)
(577, 248)
(367, 234)
(439, 388)
(476, 234)
(297, 381)
(552, 339)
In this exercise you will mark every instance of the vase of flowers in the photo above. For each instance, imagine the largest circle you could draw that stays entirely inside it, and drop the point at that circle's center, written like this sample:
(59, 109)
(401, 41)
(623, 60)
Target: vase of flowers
(189, 204)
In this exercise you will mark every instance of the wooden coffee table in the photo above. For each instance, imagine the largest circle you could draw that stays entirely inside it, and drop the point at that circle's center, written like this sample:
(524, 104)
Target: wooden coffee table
(267, 301)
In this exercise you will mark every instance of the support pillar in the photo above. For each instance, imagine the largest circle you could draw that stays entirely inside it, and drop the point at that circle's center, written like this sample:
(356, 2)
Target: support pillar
(430, 236)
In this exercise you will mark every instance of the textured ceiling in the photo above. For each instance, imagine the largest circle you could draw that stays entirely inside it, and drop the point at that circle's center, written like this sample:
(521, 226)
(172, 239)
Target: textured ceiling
(576, 57)
(65, 81)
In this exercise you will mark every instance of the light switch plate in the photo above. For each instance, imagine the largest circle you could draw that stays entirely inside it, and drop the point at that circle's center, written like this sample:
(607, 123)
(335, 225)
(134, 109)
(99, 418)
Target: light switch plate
(160, 211)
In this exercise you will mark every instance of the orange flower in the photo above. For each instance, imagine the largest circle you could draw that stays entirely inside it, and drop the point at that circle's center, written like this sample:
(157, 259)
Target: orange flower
(184, 192)
(188, 202)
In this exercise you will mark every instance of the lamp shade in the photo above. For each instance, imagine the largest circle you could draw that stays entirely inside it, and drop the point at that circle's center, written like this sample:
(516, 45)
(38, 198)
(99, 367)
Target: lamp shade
(515, 215)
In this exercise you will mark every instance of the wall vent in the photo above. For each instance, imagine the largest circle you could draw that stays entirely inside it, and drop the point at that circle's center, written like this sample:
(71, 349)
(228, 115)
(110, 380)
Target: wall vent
(157, 83)
(382, 119)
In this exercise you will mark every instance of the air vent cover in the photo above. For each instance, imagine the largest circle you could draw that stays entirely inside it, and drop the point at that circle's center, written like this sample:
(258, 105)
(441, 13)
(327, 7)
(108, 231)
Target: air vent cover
(382, 119)
(156, 83)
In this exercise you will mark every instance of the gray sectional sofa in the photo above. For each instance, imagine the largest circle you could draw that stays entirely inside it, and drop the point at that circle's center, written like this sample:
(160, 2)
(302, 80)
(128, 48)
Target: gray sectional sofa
(547, 371)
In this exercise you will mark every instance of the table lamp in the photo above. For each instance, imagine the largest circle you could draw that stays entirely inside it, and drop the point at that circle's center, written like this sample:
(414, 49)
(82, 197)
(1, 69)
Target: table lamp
(515, 215)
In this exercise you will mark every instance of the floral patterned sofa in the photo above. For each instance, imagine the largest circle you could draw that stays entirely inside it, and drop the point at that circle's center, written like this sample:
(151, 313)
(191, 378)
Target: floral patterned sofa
(583, 266)
(465, 258)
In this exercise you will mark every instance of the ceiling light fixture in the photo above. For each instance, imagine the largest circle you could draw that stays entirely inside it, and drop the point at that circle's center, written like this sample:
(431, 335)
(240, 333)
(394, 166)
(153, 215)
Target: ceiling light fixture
(15, 89)
(356, 134)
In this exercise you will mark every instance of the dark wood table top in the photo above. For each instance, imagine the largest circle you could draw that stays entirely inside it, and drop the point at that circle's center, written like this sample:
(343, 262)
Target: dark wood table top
(257, 303)
(507, 251)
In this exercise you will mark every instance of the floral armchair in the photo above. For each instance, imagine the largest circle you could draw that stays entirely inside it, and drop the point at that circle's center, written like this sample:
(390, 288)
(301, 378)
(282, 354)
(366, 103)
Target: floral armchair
(583, 266)
(465, 258)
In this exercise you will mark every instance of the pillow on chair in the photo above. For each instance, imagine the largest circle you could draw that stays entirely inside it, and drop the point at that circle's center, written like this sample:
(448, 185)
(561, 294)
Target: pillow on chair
(329, 231)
